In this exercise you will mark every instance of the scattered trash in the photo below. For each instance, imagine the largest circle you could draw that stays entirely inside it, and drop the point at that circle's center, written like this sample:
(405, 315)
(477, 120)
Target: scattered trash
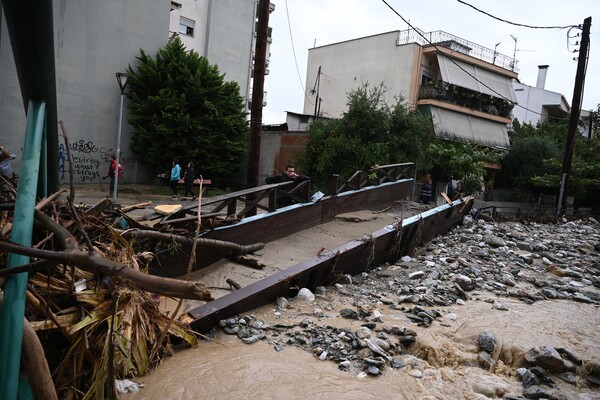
(127, 386)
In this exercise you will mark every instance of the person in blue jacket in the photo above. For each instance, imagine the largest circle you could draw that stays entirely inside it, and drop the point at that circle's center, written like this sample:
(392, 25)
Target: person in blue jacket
(175, 176)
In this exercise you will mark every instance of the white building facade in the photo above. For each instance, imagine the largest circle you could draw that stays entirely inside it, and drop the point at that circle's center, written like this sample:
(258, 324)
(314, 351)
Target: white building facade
(466, 87)
(536, 104)
(224, 31)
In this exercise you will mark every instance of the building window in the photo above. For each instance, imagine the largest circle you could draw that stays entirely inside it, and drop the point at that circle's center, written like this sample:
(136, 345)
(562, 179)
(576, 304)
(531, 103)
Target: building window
(186, 26)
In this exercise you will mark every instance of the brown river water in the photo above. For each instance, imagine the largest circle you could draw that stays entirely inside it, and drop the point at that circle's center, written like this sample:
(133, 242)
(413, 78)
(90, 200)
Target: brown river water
(446, 353)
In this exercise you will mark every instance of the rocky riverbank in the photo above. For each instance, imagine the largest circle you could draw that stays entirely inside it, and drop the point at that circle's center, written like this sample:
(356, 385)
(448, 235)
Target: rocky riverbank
(385, 318)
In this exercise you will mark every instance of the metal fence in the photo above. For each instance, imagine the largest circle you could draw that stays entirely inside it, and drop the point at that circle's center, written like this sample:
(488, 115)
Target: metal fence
(441, 38)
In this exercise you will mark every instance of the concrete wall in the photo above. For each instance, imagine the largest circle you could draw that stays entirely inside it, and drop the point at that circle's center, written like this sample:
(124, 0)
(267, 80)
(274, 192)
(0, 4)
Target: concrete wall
(93, 40)
(347, 65)
(230, 39)
(278, 149)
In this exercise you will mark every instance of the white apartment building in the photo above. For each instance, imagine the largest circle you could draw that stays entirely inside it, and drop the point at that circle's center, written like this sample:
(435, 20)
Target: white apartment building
(465, 86)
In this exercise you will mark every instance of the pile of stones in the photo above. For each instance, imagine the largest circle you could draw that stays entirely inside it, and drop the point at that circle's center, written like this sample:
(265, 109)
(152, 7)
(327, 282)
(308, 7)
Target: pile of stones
(531, 262)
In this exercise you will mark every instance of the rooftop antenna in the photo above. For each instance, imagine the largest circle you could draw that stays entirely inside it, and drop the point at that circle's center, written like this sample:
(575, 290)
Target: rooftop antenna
(495, 52)
(514, 52)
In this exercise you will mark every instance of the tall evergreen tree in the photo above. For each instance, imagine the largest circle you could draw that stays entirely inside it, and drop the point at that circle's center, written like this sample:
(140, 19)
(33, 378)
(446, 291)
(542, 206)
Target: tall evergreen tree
(181, 107)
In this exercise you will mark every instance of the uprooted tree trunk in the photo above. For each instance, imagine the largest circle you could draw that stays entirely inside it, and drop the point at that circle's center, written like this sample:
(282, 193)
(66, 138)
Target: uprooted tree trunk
(129, 276)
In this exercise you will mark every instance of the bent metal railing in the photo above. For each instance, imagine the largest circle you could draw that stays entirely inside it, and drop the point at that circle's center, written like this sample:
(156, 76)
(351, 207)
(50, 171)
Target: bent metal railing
(228, 205)
(238, 205)
(376, 175)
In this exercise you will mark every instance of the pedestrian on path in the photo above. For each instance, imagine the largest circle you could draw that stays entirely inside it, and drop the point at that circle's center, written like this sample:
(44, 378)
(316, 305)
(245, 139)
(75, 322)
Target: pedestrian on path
(188, 180)
(175, 177)
(283, 199)
(112, 167)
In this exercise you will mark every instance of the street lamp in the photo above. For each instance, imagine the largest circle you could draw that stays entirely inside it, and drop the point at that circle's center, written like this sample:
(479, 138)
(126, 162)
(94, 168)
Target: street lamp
(123, 79)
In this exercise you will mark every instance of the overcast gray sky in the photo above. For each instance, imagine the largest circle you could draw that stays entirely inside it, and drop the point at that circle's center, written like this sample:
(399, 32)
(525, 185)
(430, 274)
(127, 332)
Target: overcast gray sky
(324, 22)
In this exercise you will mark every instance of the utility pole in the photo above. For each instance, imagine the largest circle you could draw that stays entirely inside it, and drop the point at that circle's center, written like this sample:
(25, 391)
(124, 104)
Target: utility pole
(317, 85)
(575, 113)
(260, 62)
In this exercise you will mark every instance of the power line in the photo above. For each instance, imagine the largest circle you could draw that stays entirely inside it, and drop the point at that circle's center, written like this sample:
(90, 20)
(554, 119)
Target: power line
(461, 68)
(515, 23)
(294, 51)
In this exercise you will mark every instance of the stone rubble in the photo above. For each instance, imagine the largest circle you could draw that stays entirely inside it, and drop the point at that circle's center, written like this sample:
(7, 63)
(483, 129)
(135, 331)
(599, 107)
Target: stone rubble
(554, 261)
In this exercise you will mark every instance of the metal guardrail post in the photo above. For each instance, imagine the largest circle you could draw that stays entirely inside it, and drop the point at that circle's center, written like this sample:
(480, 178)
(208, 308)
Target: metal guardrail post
(334, 184)
(13, 308)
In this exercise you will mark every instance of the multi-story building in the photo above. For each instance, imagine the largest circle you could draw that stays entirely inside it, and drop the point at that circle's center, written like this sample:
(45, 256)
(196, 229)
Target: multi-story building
(224, 31)
(466, 87)
(93, 40)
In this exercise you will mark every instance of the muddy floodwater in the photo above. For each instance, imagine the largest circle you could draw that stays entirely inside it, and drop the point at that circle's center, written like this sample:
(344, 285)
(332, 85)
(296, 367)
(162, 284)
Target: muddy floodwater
(444, 361)
(446, 352)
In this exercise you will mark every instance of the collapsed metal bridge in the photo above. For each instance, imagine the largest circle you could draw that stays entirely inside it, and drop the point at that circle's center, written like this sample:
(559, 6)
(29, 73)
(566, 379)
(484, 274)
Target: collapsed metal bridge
(387, 244)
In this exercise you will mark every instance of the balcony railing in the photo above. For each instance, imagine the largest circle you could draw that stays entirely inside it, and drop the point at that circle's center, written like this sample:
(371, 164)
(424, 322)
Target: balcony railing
(441, 38)
(460, 96)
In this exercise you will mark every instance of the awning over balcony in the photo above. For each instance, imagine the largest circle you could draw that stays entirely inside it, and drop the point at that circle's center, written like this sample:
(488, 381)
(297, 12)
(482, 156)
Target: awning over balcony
(452, 73)
(467, 127)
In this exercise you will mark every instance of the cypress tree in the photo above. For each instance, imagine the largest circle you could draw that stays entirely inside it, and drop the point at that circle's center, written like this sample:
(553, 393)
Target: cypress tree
(180, 106)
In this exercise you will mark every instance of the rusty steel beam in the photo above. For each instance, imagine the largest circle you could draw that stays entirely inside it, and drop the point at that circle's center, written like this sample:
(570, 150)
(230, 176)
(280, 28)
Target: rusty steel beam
(385, 245)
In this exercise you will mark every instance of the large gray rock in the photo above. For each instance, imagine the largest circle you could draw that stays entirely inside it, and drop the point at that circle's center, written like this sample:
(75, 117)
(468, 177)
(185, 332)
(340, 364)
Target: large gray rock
(546, 357)
(486, 342)
(349, 313)
(494, 241)
(485, 360)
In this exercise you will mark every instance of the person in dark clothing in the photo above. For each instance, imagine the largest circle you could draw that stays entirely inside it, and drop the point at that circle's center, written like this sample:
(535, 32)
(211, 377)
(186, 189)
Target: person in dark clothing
(290, 174)
(426, 190)
(188, 180)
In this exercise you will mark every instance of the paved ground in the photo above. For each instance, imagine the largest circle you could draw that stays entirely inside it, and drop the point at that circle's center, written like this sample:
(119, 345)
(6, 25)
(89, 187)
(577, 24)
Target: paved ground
(128, 194)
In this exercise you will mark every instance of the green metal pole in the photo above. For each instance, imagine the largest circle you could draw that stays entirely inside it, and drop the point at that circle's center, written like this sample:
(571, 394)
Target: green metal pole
(13, 307)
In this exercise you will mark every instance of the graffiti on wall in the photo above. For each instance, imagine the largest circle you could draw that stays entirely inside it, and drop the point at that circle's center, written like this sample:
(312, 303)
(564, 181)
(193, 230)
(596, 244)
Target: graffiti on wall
(90, 161)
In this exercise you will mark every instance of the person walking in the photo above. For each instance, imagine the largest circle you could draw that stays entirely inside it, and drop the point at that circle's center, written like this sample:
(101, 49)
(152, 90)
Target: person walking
(175, 176)
(188, 180)
(112, 167)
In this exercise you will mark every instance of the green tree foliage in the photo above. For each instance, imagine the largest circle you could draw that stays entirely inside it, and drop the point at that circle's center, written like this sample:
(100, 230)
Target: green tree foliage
(181, 107)
(534, 161)
(370, 133)
(453, 159)
(595, 119)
